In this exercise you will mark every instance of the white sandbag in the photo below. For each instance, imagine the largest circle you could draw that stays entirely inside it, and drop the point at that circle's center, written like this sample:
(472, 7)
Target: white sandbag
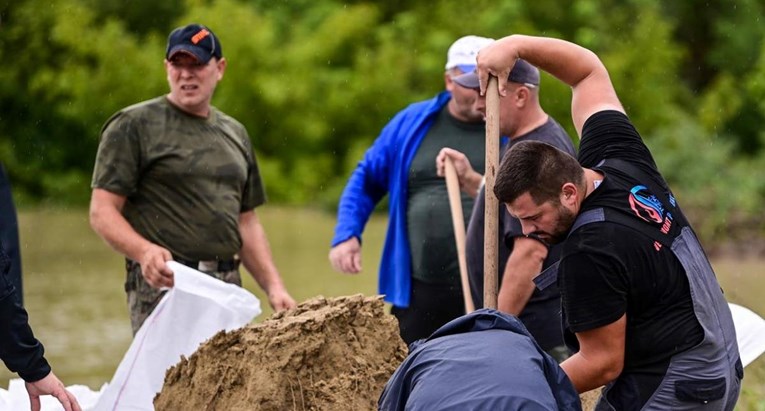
(128, 392)
(750, 333)
(196, 308)
(17, 399)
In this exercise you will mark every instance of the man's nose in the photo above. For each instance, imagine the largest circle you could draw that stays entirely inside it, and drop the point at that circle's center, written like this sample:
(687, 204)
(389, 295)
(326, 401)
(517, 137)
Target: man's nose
(480, 104)
(527, 228)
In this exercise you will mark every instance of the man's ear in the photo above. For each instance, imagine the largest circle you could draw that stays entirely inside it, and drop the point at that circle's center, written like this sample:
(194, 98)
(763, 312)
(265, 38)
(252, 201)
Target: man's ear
(569, 194)
(448, 82)
(222, 63)
(521, 96)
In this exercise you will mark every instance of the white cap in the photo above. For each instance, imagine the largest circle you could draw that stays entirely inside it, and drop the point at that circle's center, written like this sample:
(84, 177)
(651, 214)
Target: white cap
(462, 52)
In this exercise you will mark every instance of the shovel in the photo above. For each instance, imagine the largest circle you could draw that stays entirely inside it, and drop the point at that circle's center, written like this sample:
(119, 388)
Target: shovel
(455, 204)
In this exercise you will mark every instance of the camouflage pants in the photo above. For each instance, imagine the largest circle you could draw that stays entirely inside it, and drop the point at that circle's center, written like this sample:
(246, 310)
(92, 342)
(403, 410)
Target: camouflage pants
(143, 298)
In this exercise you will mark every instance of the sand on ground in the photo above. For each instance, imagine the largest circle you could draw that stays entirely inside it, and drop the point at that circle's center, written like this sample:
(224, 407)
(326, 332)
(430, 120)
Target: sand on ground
(325, 354)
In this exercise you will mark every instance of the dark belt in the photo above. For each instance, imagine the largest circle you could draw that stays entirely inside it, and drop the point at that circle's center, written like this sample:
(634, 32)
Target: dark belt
(210, 265)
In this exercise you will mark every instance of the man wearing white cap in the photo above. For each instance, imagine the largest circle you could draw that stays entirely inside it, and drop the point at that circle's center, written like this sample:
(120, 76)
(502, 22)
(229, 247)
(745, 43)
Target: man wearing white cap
(419, 272)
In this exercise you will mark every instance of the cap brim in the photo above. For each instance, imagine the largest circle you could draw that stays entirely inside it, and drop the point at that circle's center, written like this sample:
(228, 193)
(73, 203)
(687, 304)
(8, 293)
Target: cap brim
(468, 80)
(466, 68)
(197, 52)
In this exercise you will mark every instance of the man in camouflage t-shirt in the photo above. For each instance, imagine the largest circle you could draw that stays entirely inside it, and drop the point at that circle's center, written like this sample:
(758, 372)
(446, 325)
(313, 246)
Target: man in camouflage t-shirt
(176, 179)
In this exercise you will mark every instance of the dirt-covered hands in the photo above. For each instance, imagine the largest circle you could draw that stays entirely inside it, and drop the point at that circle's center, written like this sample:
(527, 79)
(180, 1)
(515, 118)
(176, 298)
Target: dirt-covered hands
(280, 299)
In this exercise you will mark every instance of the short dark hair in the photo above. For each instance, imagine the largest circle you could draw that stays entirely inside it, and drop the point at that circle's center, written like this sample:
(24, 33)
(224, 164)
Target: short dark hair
(537, 168)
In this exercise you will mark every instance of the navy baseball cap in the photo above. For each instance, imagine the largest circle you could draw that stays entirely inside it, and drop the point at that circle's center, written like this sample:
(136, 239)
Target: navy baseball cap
(195, 40)
(522, 72)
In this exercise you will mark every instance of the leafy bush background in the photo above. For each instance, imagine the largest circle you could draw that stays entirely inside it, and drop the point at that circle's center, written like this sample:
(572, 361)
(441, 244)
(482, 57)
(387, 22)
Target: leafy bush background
(314, 82)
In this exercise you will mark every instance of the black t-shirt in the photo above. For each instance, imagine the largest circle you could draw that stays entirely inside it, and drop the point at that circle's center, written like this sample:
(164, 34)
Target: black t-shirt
(542, 312)
(608, 269)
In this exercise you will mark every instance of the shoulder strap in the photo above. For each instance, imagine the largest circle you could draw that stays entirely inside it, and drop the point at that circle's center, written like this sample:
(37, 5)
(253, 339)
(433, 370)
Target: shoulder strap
(550, 275)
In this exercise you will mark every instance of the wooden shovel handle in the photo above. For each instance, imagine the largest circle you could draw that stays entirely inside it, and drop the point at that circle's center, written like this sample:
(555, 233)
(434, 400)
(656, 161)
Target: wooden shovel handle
(491, 216)
(458, 221)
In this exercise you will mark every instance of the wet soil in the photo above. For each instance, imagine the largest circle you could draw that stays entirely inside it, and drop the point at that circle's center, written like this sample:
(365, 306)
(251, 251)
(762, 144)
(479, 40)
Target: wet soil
(326, 354)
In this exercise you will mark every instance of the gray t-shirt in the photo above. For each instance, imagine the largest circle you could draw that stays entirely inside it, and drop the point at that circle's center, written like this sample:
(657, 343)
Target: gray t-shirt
(542, 312)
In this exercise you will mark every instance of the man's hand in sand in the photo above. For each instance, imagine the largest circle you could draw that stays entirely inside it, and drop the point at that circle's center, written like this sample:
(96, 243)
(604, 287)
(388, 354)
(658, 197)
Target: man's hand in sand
(51, 385)
(470, 180)
(280, 299)
(346, 256)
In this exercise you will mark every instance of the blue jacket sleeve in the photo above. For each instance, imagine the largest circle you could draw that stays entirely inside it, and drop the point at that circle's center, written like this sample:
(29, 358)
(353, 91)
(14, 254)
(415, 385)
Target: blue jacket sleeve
(21, 352)
(368, 184)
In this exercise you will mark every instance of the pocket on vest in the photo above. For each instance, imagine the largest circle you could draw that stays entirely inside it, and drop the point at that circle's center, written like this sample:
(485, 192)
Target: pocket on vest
(700, 391)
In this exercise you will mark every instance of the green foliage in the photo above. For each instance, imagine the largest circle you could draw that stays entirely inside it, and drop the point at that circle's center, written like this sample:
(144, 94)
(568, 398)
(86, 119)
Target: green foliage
(715, 194)
(646, 81)
(315, 81)
(139, 17)
(65, 76)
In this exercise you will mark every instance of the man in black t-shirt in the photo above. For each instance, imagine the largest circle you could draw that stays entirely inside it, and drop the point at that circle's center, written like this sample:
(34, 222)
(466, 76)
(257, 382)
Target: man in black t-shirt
(637, 289)
(521, 257)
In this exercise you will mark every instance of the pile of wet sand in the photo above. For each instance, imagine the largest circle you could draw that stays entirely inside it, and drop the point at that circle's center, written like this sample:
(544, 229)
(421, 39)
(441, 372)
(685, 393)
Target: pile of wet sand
(325, 354)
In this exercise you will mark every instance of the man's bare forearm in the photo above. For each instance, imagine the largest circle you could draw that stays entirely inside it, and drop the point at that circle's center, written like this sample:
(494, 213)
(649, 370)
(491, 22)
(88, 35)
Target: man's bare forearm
(572, 64)
(107, 221)
(256, 253)
(524, 264)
